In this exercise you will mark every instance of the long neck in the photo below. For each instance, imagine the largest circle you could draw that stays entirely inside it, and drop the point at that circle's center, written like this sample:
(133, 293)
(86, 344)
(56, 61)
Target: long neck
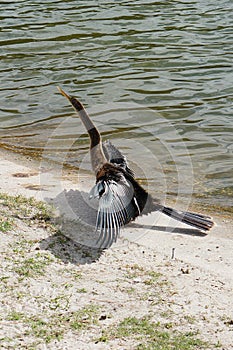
(98, 158)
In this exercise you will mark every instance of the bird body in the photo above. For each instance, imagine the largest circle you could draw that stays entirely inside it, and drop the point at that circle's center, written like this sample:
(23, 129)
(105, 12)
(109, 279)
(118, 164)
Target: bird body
(121, 197)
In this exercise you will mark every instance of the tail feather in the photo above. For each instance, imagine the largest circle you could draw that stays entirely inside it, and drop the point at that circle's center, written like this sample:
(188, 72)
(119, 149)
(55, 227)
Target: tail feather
(198, 221)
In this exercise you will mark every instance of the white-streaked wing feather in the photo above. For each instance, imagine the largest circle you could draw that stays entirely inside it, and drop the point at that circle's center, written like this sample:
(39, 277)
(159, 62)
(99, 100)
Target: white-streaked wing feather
(116, 209)
(115, 156)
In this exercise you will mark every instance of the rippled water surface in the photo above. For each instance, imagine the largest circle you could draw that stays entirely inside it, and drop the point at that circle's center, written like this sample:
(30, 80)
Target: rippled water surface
(156, 77)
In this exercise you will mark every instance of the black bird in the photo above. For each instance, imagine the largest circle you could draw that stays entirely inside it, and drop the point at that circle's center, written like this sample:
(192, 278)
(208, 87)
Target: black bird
(121, 197)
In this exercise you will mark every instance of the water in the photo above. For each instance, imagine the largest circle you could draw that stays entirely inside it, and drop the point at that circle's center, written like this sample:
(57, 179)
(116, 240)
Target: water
(155, 76)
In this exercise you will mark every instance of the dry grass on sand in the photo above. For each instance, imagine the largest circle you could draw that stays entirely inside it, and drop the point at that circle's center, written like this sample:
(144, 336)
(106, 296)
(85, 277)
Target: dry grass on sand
(55, 294)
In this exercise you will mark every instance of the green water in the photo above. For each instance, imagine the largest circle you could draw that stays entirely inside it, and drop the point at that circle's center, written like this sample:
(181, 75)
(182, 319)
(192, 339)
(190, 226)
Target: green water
(156, 76)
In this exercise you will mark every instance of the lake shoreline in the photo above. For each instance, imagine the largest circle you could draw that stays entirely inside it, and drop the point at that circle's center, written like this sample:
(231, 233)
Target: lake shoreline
(198, 266)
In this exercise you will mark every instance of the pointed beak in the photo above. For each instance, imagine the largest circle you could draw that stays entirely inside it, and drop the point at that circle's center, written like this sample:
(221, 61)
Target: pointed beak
(64, 93)
(75, 103)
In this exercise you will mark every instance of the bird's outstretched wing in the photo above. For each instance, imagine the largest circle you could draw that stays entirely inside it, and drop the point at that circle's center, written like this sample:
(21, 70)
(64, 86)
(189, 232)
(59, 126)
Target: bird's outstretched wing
(117, 207)
(115, 157)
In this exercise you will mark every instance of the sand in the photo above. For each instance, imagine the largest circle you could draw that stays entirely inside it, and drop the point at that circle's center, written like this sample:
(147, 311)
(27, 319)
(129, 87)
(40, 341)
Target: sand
(198, 266)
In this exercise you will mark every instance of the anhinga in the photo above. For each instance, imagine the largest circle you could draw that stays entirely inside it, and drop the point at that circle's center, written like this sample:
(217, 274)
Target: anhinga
(121, 197)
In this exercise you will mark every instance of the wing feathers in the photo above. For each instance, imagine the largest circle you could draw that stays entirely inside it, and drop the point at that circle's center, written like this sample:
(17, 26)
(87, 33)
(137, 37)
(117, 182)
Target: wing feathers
(115, 157)
(116, 208)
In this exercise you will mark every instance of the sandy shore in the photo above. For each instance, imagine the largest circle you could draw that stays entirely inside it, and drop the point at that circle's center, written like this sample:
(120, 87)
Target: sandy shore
(200, 272)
